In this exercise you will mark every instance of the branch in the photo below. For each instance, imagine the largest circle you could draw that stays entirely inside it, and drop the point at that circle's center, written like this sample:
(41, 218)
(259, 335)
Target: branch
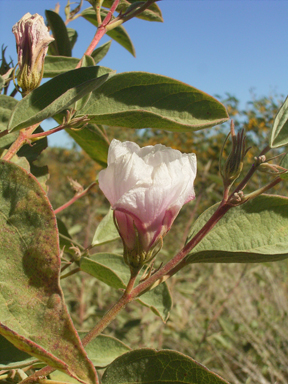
(76, 197)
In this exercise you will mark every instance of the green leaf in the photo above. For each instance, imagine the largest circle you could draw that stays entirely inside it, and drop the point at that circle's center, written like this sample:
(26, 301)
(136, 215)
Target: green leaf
(73, 36)
(2, 83)
(7, 104)
(56, 95)
(59, 376)
(143, 100)
(158, 300)
(99, 53)
(254, 232)
(119, 34)
(153, 13)
(55, 65)
(284, 164)
(12, 358)
(108, 268)
(61, 46)
(91, 140)
(104, 349)
(145, 366)
(31, 153)
(33, 315)
(87, 61)
(64, 236)
(106, 230)
(279, 133)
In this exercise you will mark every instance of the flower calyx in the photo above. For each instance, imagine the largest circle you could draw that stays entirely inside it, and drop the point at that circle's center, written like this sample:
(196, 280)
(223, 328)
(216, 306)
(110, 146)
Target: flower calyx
(138, 256)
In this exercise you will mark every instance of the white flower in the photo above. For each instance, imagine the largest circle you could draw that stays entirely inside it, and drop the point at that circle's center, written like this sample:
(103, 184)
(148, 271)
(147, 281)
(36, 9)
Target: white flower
(146, 188)
(32, 40)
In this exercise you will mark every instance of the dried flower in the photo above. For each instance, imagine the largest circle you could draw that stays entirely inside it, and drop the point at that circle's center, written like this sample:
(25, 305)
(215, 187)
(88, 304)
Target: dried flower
(146, 188)
(32, 40)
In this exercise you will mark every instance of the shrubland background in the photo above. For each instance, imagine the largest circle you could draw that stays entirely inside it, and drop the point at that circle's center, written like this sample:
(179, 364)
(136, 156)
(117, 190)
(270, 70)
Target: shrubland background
(231, 317)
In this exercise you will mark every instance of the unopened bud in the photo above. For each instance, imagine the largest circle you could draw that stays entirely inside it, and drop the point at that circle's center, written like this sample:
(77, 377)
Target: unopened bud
(234, 163)
(32, 40)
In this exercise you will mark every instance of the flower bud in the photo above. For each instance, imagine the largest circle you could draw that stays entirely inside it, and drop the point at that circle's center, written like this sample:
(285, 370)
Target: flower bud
(234, 163)
(146, 188)
(32, 40)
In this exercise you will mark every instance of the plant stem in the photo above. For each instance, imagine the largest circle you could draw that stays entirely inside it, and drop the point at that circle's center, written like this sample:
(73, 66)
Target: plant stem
(76, 197)
(112, 313)
(41, 373)
(70, 273)
(252, 170)
(23, 137)
(101, 30)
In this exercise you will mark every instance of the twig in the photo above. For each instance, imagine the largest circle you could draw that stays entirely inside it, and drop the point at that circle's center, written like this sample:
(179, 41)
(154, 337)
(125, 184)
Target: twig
(76, 197)
(112, 313)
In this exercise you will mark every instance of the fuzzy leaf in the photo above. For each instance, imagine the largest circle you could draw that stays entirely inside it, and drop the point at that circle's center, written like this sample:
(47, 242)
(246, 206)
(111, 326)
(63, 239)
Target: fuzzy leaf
(104, 349)
(56, 95)
(145, 366)
(55, 65)
(108, 268)
(73, 36)
(11, 357)
(99, 53)
(143, 100)
(61, 46)
(7, 104)
(279, 133)
(119, 34)
(33, 314)
(153, 13)
(92, 142)
(158, 300)
(106, 230)
(255, 232)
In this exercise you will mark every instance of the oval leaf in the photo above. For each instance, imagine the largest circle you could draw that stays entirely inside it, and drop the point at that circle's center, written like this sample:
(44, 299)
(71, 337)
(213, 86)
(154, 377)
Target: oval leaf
(12, 358)
(108, 268)
(73, 36)
(153, 13)
(61, 46)
(158, 300)
(104, 349)
(143, 100)
(99, 53)
(119, 34)
(55, 95)
(55, 65)
(279, 134)
(168, 367)
(33, 314)
(254, 232)
(92, 142)
(7, 104)
(106, 230)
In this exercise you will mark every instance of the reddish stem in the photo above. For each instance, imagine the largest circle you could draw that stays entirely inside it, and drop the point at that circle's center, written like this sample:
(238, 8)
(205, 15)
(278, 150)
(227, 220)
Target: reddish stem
(23, 137)
(101, 30)
(76, 197)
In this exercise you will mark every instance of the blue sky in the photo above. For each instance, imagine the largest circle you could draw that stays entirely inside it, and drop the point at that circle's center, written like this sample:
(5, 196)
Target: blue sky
(217, 46)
